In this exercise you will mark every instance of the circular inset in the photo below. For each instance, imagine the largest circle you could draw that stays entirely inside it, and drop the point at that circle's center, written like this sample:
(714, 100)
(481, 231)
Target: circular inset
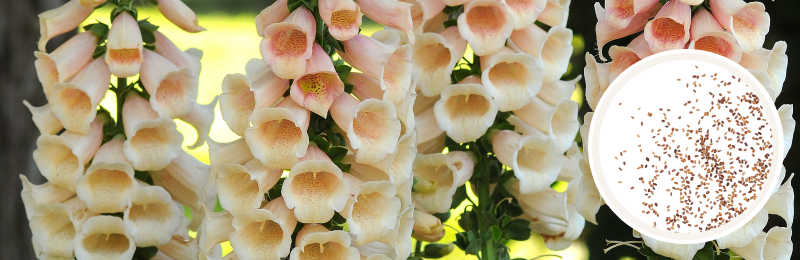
(685, 146)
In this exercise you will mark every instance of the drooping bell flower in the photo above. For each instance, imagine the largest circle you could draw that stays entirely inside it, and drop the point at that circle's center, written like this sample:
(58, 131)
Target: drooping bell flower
(619, 13)
(362, 172)
(391, 13)
(153, 141)
(61, 158)
(264, 233)
(588, 200)
(669, 30)
(372, 126)
(319, 85)
(44, 119)
(553, 48)
(172, 90)
(400, 236)
(314, 242)
(60, 20)
(486, 25)
(606, 33)
(749, 22)
(215, 229)
(768, 66)
(241, 188)
(709, 36)
(235, 152)
(552, 214)
(774, 244)
(372, 212)
(390, 64)
(534, 158)
(74, 102)
(109, 181)
(744, 235)
(436, 182)
(555, 13)
(66, 61)
(236, 102)
(278, 136)
(435, 56)
(782, 202)
(427, 227)
(524, 12)
(185, 180)
(53, 231)
(423, 12)
(430, 139)
(553, 92)
(624, 57)
(676, 251)
(514, 77)
(343, 18)
(597, 80)
(275, 13)
(287, 45)
(46, 193)
(179, 14)
(104, 237)
(465, 111)
(124, 53)
(788, 123)
(267, 88)
(200, 118)
(315, 188)
(560, 121)
(365, 87)
(189, 58)
(403, 159)
(152, 217)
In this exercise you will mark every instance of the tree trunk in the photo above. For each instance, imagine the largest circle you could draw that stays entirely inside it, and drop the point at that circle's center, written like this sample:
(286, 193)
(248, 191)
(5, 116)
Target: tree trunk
(19, 33)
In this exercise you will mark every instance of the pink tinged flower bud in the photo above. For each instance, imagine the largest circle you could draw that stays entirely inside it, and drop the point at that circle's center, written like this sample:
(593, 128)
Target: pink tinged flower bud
(152, 217)
(515, 78)
(465, 111)
(61, 158)
(275, 13)
(236, 102)
(319, 85)
(430, 138)
(315, 188)
(769, 67)
(53, 231)
(709, 36)
(748, 22)
(91, 3)
(278, 136)
(287, 45)
(104, 237)
(189, 58)
(372, 126)
(264, 233)
(108, 183)
(553, 48)
(624, 57)
(153, 141)
(124, 47)
(179, 14)
(267, 88)
(343, 18)
(172, 90)
(486, 25)
(46, 193)
(391, 13)
(66, 61)
(597, 80)
(241, 188)
(372, 213)
(524, 12)
(555, 13)
(606, 33)
(435, 56)
(427, 227)
(559, 121)
(619, 13)
(75, 102)
(669, 30)
(535, 159)
(316, 242)
(44, 119)
(60, 20)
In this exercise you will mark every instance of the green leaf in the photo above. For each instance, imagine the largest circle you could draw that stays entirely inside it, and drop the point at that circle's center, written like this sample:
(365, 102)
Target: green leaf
(343, 71)
(723, 256)
(481, 169)
(474, 247)
(337, 153)
(147, 29)
(101, 5)
(460, 74)
(154, 2)
(517, 229)
(98, 29)
(706, 253)
(453, 146)
(115, 214)
(459, 196)
(143, 176)
(293, 4)
(145, 253)
(489, 218)
(348, 88)
(99, 51)
(321, 142)
(451, 9)
(451, 22)
(343, 167)
(496, 233)
(461, 241)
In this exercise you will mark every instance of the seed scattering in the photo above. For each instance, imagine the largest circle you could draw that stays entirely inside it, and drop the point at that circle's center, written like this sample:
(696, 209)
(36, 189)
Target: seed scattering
(713, 180)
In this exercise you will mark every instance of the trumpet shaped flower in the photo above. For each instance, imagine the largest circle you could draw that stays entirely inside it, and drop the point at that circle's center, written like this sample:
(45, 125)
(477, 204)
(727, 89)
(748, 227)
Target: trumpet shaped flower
(669, 30)
(624, 57)
(559, 121)
(60, 20)
(44, 118)
(185, 180)
(124, 53)
(430, 139)
(216, 228)
(782, 202)
(267, 88)
(237, 102)
(435, 56)
(264, 233)
(74, 102)
(788, 123)
(172, 90)
(534, 158)
(65, 61)
(555, 13)
(46, 193)
(437, 181)
(153, 141)
(200, 118)
(465, 111)
(389, 63)
(104, 237)
(774, 244)
(189, 58)
(152, 217)
(597, 80)
(769, 67)
(524, 12)
(278, 136)
(241, 188)
(372, 212)
(553, 92)
(391, 13)
(427, 227)
(486, 25)
(515, 78)
(709, 36)
(61, 158)
(53, 231)
(275, 13)
(588, 200)
(179, 14)
(553, 48)
(619, 13)
(319, 85)
(287, 45)
(676, 251)
(749, 22)
(606, 32)
(108, 183)
(315, 242)
(744, 235)
(315, 188)
(400, 236)
(372, 126)
(343, 18)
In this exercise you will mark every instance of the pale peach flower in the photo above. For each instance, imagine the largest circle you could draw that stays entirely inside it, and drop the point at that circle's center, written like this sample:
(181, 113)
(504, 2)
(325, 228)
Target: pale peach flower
(314, 241)
(287, 45)
(371, 126)
(749, 22)
(619, 13)
(669, 30)
(64, 62)
(558, 121)
(109, 181)
(189, 58)
(179, 14)
(597, 80)
(200, 118)
(52, 231)
(391, 13)
(75, 102)
(45, 193)
(60, 20)
(524, 12)
(319, 85)
(465, 111)
(124, 53)
(430, 138)
(553, 48)
(515, 78)
(534, 158)
(709, 36)
(389, 63)
(343, 18)
(153, 141)
(606, 33)
(264, 233)
(555, 13)
(241, 188)
(104, 237)
(624, 57)
(44, 119)
(278, 136)
(372, 212)
(61, 158)
(486, 25)
(152, 217)
(185, 179)
(435, 56)
(315, 188)
(769, 67)
(172, 90)
(275, 13)
(427, 227)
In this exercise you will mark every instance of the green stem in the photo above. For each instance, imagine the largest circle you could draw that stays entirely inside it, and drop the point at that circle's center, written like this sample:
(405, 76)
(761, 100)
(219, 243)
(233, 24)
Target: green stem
(418, 248)
(122, 87)
(488, 250)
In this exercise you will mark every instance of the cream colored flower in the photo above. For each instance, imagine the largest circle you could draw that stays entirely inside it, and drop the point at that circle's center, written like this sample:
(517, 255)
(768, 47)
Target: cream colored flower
(189, 58)
(152, 217)
(124, 53)
(391, 13)
(66, 61)
(427, 227)
(53, 231)
(782, 202)
(172, 90)
(44, 119)
(391, 64)
(534, 158)
(287, 45)
(275, 13)
(264, 233)
(677, 251)
(75, 102)
(315, 242)
(60, 20)
(515, 78)
(788, 123)
(235, 152)
(552, 48)
(315, 188)
(744, 235)
(371, 125)
(559, 121)
(241, 188)
(278, 136)
(372, 212)
(179, 14)
(430, 139)
(597, 80)
(153, 141)
(215, 229)
(435, 56)
(437, 181)
(400, 236)
(108, 183)
(769, 67)
(46, 193)
(708, 35)
(104, 237)
(61, 158)
(669, 30)
(555, 13)
(465, 111)
(749, 22)
(485, 24)
(775, 244)
(200, 118)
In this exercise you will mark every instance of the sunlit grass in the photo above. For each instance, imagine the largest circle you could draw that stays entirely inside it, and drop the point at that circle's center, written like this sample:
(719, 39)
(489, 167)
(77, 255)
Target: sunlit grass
(230, 42)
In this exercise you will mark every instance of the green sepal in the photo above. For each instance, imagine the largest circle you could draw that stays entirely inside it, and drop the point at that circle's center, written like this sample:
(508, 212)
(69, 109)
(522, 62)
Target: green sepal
(145, 253)
(451, 9)
(98, 29)
(337, 153)
(343, 71)
(99, 51)
(451, 22)
(517, 229)
(143, 176)
(348, 88)
(147, 29)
